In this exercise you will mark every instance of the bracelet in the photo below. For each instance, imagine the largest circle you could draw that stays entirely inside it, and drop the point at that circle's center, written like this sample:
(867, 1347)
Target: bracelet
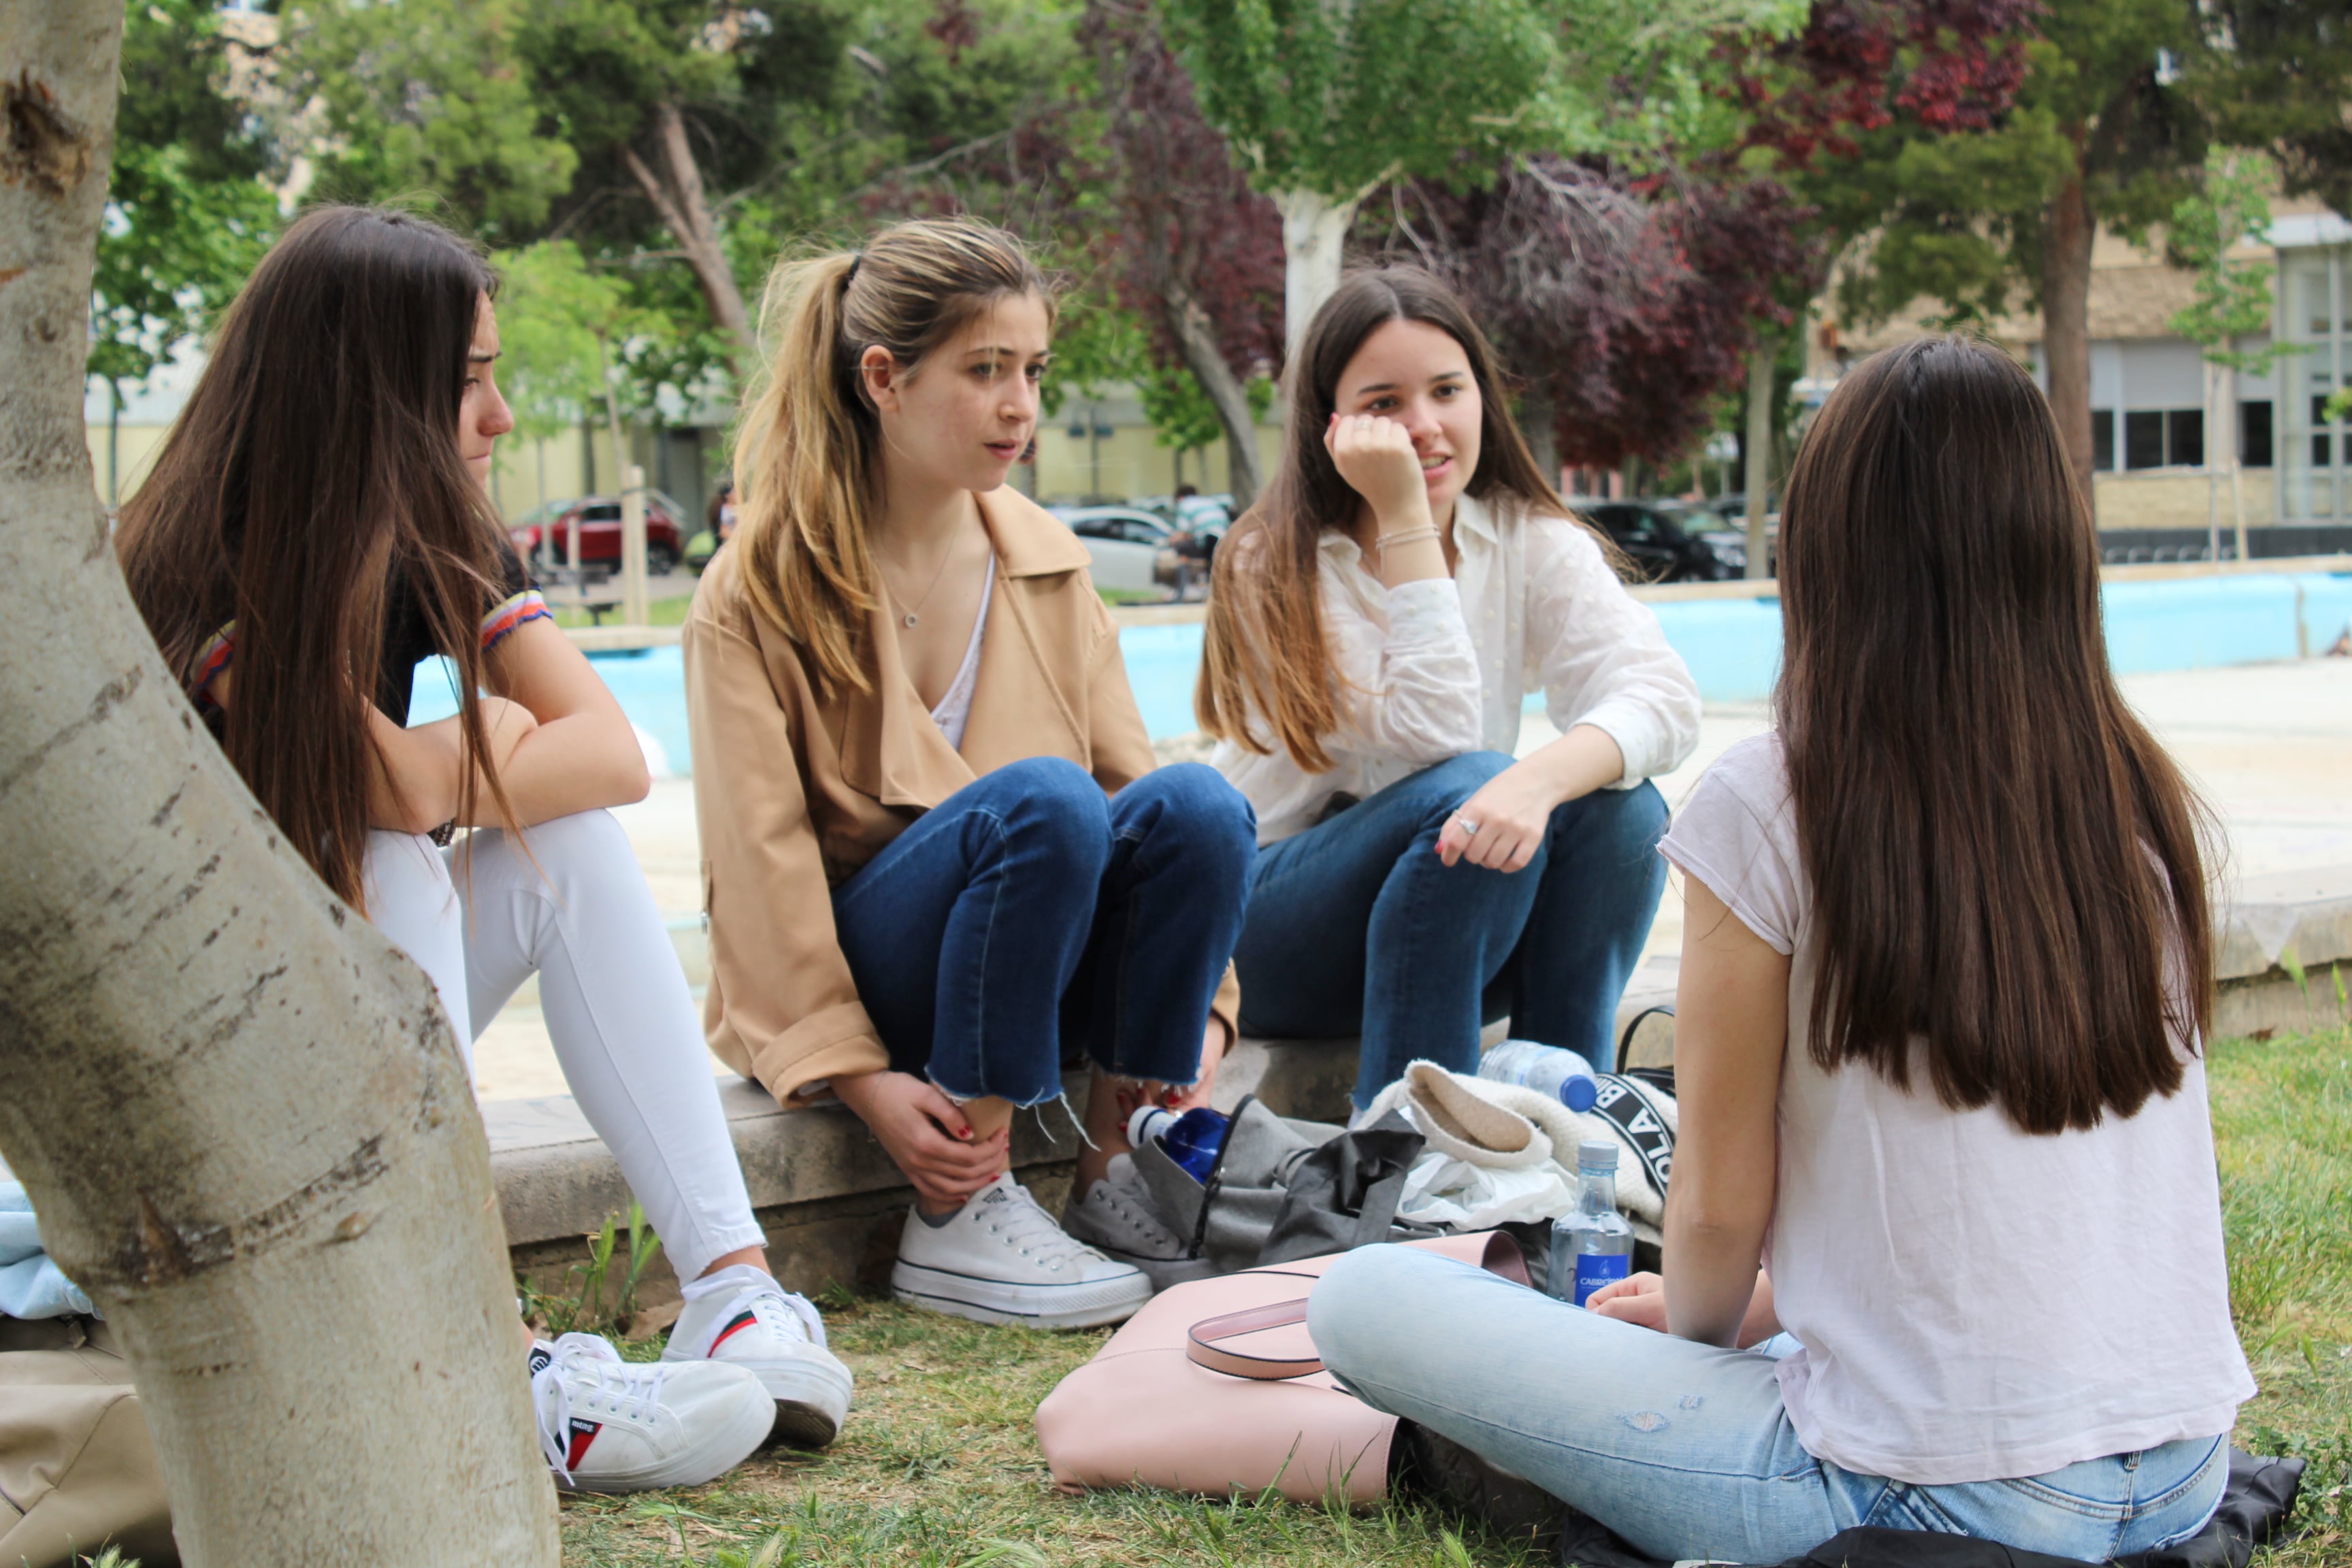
(1409, 536)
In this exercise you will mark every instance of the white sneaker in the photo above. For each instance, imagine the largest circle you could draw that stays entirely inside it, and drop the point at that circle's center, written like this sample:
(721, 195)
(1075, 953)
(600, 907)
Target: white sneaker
(742, 1317)
(1001, 1259)
(1117, 1218)
(609, 1425)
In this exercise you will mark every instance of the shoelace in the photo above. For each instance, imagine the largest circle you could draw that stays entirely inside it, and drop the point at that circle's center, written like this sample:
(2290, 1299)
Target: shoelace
(1132, 1203)
(633, 1392)
(796, 1311)
(1032, 1232)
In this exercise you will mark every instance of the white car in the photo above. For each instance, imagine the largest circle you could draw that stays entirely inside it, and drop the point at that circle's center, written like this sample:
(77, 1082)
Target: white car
(1129, 547)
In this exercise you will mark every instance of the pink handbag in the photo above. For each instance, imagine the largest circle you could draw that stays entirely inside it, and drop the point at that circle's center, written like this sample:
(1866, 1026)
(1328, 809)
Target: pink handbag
(1215, 1388)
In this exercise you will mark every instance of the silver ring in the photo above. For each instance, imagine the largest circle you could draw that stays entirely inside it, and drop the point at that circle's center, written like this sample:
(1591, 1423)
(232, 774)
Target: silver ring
(1468, 826)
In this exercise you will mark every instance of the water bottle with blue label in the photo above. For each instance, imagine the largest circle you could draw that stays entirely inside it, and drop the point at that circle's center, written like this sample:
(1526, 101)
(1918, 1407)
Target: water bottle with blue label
(1592, 1245)
(1190, 1140)
(1553, 1070)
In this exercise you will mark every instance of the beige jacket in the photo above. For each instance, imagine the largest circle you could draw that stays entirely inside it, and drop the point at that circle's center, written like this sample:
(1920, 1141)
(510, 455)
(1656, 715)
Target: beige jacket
(796, 794)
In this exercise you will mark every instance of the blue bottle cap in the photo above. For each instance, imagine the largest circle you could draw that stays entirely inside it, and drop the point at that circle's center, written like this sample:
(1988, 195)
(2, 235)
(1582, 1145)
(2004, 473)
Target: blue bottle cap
(1578, 1093)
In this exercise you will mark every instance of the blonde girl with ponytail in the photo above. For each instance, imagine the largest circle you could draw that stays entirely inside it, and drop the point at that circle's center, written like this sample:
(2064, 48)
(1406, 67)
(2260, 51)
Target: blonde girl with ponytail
(940, 863)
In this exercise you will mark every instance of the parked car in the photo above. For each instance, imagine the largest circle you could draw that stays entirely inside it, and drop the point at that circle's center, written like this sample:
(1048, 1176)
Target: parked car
(1129, 546)
(543, 536)
(1661, 549)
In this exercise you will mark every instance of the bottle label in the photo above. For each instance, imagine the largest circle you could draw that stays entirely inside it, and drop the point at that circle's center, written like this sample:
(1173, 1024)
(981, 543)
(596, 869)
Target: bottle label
(1594, 1270)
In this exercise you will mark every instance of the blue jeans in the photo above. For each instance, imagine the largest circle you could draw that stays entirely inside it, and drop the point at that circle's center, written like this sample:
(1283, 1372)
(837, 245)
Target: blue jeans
(1683, 1448)
(1357, 927)
(1027, 910)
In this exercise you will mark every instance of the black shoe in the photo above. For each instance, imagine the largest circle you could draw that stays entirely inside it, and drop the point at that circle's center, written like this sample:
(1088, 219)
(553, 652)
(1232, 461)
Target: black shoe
(1423, 1463)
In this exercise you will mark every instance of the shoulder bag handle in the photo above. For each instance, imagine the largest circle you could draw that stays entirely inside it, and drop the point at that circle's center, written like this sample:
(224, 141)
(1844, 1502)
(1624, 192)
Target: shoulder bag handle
(1201, 1348)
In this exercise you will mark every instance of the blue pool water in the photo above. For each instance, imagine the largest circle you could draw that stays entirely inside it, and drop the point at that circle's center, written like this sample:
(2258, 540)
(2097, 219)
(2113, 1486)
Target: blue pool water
(1733, 647)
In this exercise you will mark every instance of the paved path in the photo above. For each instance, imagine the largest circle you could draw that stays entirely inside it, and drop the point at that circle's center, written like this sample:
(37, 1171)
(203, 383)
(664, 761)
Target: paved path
(2270, 745)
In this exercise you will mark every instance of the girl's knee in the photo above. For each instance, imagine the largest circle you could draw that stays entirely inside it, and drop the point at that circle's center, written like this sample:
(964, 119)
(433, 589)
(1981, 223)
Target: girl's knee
(1054, 805)
(1194, 805)
(1367, 1298)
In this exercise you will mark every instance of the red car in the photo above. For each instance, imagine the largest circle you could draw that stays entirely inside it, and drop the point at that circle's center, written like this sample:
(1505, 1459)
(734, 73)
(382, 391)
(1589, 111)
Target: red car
(543, 536)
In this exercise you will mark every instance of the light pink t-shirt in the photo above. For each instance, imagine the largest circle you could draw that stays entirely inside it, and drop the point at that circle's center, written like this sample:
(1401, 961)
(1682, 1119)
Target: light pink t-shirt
(1975, 1303)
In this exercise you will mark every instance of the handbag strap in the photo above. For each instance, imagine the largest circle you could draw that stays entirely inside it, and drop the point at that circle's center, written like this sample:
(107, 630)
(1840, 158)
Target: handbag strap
(1201, 1348)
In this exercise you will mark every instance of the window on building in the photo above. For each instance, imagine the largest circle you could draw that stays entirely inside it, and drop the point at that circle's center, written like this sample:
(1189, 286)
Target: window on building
(2184, 438)
(2143, 439)
(2321, 440)
(2254, 435)
(2102, 439)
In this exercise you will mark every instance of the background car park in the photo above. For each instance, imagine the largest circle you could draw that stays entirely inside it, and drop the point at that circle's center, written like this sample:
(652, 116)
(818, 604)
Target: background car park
(1662, 548)
(543, 536)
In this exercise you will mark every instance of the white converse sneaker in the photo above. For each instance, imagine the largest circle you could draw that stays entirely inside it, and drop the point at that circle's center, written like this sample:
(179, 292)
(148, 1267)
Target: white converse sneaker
(608, 1425)
(1117, 1218)
(1001, 1259)
(742, 1317)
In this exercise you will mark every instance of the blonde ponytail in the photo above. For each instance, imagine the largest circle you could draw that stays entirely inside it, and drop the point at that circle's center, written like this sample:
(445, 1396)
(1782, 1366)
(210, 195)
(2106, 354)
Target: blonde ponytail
(808, 462)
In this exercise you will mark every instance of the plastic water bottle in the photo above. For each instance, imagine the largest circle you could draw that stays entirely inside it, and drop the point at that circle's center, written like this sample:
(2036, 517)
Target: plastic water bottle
(1592, 1243)
(1190, 1140)
(1554, 1071)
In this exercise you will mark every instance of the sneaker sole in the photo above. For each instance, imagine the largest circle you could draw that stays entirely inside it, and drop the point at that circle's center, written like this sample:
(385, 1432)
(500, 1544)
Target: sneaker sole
(812, 1398)
(994, 1301)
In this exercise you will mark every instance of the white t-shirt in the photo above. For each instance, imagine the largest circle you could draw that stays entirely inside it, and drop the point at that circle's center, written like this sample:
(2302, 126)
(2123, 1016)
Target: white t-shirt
(954, 710)
(1975, 1303)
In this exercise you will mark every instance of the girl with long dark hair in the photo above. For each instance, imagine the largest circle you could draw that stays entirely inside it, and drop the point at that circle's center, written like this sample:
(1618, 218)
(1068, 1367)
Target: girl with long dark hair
(1377, 617)
(942, 865)
(316, 524)
(1945, 972)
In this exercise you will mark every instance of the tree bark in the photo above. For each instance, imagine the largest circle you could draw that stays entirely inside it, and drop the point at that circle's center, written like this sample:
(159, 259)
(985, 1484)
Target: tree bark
(1196, 340)
(685, 210)
(2067, 236)
(1314, 234)
(1538, 422)
(1759, 477)
(240, 1114)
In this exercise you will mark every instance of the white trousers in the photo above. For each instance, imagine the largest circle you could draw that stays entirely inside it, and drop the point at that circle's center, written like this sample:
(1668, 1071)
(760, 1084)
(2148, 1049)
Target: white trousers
(482, 916)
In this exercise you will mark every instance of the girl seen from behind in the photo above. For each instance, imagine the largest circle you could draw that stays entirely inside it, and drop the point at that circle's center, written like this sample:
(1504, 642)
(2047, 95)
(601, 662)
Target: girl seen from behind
(1376, 620)
(317, 523)
(1946, 967)
(940, 862)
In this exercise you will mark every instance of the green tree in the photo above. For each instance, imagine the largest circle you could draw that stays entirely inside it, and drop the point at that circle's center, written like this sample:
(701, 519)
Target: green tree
(566, 331)
(2278, 79)
(2104, 132)
(1327, 103)
(187, 211)
(2232, 302)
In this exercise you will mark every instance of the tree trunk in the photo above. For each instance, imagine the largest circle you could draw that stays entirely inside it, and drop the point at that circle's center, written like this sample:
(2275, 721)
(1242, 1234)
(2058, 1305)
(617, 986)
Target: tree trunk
(1759, 477)
(685, 210)
(1196, 339)
(239, 1111)
(1314, 232)
(1538, 422)
(2067, 234)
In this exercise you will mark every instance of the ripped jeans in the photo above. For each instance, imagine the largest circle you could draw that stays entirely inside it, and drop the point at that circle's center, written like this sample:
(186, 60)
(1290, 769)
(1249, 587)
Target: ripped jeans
(1683, 1448)
(1029, 917)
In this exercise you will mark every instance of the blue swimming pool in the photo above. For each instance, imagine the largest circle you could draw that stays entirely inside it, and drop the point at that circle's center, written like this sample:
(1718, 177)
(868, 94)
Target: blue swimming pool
(1733, 647)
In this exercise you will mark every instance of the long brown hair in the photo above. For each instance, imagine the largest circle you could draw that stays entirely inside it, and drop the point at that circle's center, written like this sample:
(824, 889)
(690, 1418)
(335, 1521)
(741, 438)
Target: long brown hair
(808, 458)
(2005, 864)
(317, 457)
(1265, 647)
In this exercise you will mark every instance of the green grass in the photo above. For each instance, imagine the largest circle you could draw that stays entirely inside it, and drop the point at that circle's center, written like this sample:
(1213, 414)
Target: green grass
(668, 612)
(939, 1465)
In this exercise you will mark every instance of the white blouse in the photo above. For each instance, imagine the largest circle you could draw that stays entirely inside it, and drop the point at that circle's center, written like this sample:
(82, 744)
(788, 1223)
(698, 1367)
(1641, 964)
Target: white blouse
(1434, 669)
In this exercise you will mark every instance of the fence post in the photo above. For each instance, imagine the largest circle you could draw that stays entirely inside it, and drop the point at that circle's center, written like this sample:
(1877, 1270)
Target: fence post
(632, 546)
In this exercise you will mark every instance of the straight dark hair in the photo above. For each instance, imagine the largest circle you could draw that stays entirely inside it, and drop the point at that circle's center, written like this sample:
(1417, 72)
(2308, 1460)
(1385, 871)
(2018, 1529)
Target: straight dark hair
(1265, 645)
(2005, 863)
(316, 455)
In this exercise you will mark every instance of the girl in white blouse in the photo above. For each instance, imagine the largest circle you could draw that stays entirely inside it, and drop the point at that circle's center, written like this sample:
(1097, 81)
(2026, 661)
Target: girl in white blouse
(1377, 620)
